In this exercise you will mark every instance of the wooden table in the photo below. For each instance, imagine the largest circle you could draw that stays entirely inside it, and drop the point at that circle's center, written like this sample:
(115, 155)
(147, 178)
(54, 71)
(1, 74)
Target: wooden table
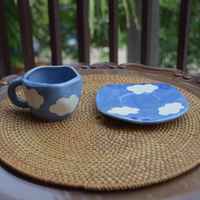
(14, 185)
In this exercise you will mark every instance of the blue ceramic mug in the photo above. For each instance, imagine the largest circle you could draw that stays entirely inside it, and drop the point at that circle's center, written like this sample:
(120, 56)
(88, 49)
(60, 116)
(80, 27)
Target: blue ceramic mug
(52, 92)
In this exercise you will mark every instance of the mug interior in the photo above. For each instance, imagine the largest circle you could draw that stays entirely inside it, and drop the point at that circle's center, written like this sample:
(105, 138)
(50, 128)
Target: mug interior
(51, 75)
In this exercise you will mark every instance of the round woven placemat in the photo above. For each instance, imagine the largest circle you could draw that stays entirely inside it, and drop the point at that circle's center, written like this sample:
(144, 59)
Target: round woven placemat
(96, 152)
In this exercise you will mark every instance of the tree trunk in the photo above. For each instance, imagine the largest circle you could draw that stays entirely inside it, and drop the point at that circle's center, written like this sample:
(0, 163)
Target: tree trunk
(134, 36)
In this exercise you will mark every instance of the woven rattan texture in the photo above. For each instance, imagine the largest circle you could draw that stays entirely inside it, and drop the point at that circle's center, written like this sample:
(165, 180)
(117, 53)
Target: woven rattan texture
(97, 152)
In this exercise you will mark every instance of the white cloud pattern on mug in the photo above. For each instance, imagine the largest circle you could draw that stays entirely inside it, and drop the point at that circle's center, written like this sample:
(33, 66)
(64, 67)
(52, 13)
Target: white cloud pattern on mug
(33, 98)
(64, 106)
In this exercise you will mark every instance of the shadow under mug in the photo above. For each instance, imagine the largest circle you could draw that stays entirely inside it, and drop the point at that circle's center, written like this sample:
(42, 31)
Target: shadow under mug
(52, 92)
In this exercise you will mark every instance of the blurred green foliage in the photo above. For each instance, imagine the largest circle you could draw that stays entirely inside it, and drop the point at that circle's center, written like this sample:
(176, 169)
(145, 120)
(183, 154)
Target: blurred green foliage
(13, 32)
(169, 28)
(99, 25)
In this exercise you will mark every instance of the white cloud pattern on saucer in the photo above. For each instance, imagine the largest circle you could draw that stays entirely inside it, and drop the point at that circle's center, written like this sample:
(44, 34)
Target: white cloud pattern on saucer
(64, 106)
(139, 89)
(123, 110)
(33, 98)
(170, 108)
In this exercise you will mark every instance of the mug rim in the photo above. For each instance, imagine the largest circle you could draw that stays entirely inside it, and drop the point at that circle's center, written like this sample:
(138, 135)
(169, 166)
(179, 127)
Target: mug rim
(26, 81)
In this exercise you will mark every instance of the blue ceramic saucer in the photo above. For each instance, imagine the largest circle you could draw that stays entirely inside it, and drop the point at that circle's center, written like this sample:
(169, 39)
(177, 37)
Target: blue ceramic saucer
(147, 103)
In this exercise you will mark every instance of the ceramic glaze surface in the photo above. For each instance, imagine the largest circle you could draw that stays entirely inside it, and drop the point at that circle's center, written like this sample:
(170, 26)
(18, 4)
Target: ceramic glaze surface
(64, 106)
(33, 98)
(146, 103)
(52, 92)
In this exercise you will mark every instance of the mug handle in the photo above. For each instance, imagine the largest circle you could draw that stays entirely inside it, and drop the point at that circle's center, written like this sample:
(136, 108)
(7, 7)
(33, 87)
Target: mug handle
(12, 94)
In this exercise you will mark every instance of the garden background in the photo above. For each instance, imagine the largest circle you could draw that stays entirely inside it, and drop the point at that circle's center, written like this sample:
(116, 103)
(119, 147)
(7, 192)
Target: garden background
(165, 26)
